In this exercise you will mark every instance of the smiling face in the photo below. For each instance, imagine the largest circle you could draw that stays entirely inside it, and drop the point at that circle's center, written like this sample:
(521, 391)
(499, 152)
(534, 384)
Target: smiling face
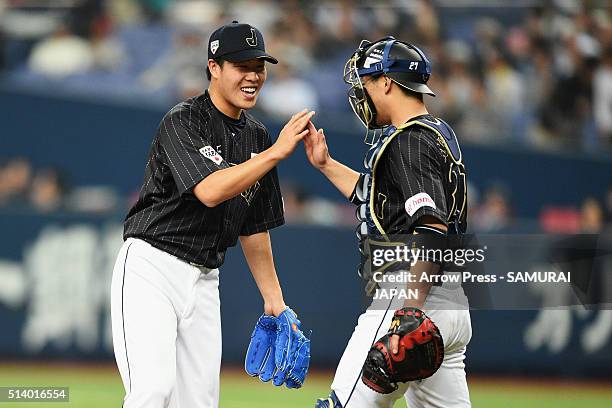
(237, 84)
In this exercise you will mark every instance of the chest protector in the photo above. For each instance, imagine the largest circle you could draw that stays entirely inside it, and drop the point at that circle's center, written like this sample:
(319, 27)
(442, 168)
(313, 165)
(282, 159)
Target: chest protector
(370, 225)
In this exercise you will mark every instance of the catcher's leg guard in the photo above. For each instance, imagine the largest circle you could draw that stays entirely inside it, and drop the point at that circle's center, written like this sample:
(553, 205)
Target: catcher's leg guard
(329, 402)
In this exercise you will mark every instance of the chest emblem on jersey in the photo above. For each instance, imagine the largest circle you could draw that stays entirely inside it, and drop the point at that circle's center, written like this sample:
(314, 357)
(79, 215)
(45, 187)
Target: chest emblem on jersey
(211, 154)
(250, 192)
(417, 201)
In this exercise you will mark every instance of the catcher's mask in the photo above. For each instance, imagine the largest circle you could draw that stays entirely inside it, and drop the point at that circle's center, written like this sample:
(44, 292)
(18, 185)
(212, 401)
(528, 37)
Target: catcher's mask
(403, 63)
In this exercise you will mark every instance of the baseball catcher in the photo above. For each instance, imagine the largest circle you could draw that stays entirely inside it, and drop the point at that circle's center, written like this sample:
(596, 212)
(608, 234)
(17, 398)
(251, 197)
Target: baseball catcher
(413, 186)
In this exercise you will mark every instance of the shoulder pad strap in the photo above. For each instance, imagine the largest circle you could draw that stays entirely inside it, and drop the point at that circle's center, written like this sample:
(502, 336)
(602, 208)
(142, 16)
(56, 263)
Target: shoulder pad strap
(446, 132)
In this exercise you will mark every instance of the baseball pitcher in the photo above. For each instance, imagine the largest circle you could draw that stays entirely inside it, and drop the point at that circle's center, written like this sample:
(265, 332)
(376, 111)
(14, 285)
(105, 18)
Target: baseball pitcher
(210, 180)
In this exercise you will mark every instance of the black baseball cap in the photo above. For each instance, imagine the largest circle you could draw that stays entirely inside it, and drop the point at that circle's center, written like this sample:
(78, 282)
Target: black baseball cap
(238, 42)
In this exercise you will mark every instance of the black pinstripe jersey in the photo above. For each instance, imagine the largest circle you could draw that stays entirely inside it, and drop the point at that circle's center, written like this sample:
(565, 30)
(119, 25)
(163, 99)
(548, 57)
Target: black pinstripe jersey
(194, 140)
(416, 176)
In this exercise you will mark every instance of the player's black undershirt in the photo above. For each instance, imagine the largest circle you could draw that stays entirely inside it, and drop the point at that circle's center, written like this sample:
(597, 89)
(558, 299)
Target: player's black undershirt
(194, 140)
(235, 126)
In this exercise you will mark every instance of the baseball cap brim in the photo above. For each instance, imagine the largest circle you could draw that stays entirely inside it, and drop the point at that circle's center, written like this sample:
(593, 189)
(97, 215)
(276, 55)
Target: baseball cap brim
(249, 54)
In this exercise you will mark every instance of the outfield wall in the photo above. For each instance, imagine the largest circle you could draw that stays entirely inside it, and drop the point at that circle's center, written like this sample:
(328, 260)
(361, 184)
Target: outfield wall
(55, 276)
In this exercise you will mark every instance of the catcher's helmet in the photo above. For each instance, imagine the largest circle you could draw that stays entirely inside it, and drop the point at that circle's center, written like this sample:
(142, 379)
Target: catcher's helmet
(405, 64)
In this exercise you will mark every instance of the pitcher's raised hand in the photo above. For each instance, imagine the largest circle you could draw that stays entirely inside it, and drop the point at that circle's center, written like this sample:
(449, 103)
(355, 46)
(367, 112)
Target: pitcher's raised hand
(293, 132)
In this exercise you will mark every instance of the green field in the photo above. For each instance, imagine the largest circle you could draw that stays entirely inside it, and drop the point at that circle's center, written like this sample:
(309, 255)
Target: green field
(100, 387)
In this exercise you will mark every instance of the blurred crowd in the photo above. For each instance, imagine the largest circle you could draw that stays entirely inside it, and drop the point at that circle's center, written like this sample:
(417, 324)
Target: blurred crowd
(23, 187)
(537, 75)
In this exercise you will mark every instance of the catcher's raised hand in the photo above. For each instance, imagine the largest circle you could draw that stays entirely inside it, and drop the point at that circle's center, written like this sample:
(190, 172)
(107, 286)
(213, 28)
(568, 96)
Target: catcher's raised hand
(316, 146)
(292, 133)
(420, 351)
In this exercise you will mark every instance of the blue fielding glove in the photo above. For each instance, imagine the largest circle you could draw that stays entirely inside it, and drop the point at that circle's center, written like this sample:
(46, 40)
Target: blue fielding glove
(292, 354)
(259, 361)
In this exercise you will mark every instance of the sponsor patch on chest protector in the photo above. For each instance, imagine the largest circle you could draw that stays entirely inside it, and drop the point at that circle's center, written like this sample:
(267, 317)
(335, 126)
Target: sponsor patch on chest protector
(211, 154)
(417, 201)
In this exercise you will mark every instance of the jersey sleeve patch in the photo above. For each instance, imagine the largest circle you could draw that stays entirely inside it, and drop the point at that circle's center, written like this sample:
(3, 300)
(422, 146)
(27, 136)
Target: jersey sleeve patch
(211, 154)
(417, 201)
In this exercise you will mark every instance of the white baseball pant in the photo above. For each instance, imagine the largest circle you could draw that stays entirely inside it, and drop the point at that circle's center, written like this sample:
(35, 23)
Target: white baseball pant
(166, 329)
(446, 388)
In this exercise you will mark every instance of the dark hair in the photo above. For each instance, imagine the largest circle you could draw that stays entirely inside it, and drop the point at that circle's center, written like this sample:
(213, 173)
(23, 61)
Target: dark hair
(219, 62)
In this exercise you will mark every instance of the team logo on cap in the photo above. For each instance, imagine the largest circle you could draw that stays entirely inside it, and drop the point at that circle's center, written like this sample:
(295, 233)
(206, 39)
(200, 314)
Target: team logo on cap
(252, 40)
(214, 45)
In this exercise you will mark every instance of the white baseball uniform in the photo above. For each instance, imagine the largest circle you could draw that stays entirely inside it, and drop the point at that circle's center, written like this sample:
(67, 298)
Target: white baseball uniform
(164, 296)
(447, 308)
(163, 309)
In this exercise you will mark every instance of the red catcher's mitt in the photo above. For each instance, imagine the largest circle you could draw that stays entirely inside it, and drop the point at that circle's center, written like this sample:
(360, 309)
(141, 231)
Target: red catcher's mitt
(419, 355)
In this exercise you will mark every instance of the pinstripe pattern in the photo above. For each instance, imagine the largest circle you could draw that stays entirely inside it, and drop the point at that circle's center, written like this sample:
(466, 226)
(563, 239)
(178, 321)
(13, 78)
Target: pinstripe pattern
(414, 162)
(170, 217)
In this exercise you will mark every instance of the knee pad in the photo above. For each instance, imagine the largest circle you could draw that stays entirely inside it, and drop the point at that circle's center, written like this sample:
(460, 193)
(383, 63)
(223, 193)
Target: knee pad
(329, 402)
